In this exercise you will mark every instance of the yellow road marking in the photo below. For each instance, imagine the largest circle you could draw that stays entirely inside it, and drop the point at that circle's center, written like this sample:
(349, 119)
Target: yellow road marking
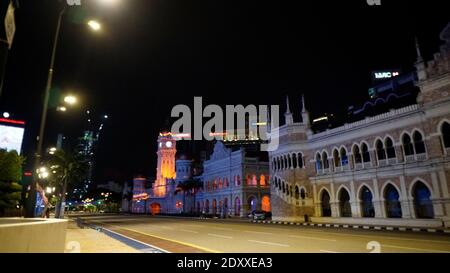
(311, 238)
(172, 240)
(413, 248)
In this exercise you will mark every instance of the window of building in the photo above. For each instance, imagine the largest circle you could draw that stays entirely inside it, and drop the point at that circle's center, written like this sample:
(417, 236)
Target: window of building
(390, 149)
(302, 194)
(318, 162)
(357, 155)
(408, 147)
(344, 158)
(336, 158)
(445, 131)
(367, 209)
(345, 209)
(392, 202)
(423, 206)
(300, 160)
(419, 145)
(365, 153)
(294, 161)
(326, 207)
(381, 153)
(326, 164)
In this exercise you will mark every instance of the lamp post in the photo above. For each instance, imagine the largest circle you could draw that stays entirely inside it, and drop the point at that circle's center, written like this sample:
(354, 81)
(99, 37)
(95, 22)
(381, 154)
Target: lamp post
(30, 212)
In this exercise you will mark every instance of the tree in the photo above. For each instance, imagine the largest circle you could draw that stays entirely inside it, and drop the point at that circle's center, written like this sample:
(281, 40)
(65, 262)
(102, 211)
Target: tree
(189, 187)
(10, 175)
(67, 169)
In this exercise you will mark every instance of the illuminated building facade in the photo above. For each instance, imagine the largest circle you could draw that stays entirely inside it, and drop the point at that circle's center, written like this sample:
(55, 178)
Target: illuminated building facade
(235, 182)
(389, 169)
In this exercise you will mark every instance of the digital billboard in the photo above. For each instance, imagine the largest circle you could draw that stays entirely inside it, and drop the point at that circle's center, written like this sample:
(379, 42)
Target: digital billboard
(11, 137)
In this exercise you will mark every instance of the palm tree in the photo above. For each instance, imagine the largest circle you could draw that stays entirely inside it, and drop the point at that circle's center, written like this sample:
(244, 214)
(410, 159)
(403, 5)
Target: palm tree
(67, 169)
(189, 187)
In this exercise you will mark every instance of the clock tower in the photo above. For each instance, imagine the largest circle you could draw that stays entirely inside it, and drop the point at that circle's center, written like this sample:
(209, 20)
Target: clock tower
(166, 163)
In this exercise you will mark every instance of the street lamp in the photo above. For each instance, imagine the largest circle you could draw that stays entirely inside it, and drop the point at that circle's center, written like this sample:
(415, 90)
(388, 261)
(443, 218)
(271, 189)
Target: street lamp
(70, 99)
(6, 115)
(94, 25)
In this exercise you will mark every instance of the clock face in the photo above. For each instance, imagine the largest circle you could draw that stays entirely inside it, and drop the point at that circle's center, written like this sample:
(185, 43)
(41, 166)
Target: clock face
(168, 144)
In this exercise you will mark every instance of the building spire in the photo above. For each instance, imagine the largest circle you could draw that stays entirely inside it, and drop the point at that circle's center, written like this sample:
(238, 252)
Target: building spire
(288, 109)
(305, 114)
(303, 104)
(288, 115)
(419, 54)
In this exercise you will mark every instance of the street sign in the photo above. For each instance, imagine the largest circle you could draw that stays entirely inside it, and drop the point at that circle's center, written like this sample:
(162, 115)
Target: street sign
(10, 24)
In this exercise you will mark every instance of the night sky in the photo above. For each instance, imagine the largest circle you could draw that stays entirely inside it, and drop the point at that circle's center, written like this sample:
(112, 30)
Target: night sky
(152, 55)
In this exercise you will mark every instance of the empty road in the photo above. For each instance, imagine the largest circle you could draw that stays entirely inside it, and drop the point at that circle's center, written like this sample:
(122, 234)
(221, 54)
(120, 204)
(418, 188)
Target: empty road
(233, 236)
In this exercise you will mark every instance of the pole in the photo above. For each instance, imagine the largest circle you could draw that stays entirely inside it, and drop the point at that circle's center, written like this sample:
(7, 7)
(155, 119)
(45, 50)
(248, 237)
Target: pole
(48, 87)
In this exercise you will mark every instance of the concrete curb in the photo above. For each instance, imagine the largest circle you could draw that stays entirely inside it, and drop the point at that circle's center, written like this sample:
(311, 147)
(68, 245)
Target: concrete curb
(362, 227)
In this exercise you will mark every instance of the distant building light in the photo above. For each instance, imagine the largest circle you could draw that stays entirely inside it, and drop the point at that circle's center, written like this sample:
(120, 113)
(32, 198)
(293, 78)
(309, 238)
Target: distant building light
(320, 119)
(6, 115)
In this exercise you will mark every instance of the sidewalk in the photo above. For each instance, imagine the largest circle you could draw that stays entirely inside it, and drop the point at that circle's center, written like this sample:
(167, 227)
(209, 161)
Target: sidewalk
(87, 240)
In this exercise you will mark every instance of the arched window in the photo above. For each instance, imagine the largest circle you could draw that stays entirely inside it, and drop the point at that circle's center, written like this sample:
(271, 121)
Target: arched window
(254, 180)
(289, 161)
(318, 162)
(392, 202)
(381, 153)
(262, 180)
(336, 158)
(214, 206)
(367, 209)
(326, 207)
(423, 206)
(445, 131)
(297, 193)
(294, 161)
(206, 206)
(345, 209)
(365, 153)
(278, 164)
(357, 155)
(419, 145)
(326, 164)
(285, 162)
(302, 194)
(265, 203)
(220, 183)
(237, 206)
(282, 163)
(300, 160)
(279, 185)
(238, 180)
(390, 150)
(252, 203)
(284, 187)
(408, 147)
(344, 158)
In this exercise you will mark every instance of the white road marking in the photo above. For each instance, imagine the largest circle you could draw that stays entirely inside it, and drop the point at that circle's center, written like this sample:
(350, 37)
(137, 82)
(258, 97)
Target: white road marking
(413, 248)
(328, 251)
(165, 227)
(258, 232)
(219, 228)
(220, 236)
(312, 238)
(268, 243)
(190, 231)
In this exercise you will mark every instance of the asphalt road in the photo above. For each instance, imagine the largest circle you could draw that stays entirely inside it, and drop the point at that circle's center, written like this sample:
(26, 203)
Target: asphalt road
(231, 236)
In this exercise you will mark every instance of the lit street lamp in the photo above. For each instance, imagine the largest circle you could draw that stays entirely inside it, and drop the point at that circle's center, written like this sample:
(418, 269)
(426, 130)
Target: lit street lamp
(94, 25)
(32, 196)
(70, 99)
